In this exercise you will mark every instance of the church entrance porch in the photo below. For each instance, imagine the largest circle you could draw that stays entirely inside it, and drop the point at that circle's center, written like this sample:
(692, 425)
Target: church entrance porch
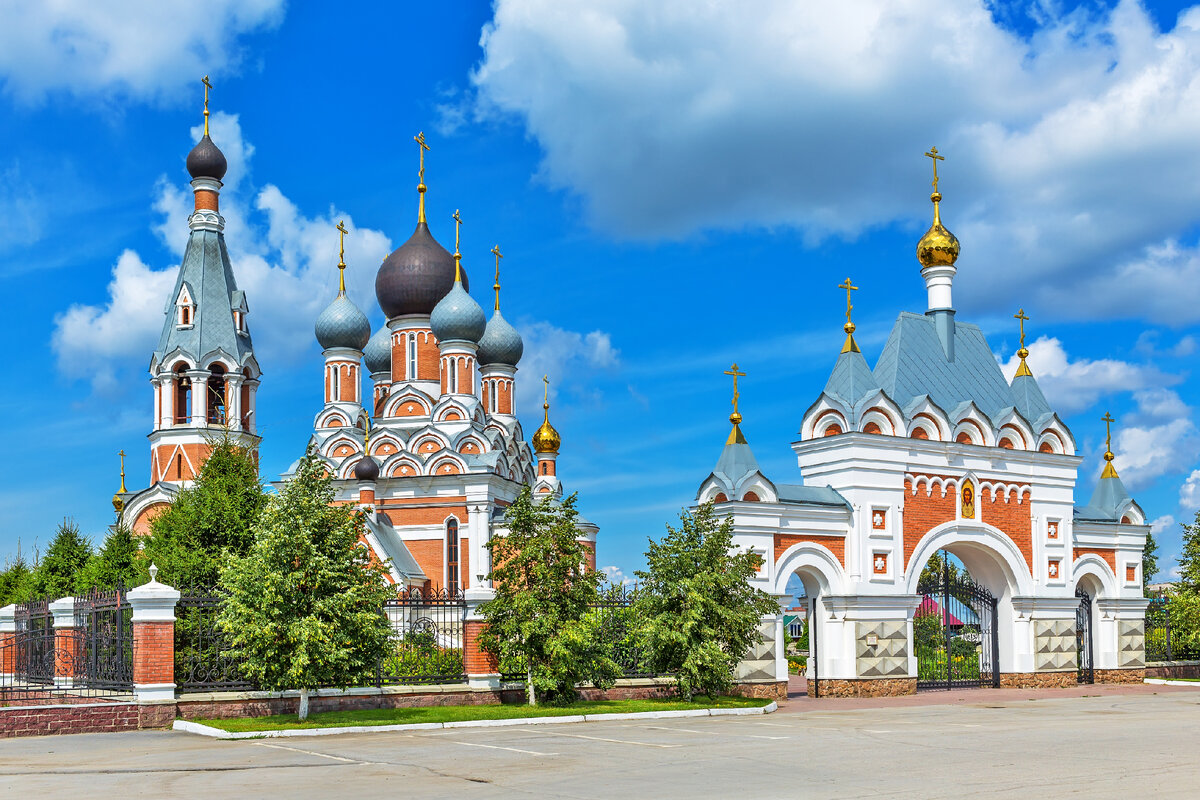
(955, 638)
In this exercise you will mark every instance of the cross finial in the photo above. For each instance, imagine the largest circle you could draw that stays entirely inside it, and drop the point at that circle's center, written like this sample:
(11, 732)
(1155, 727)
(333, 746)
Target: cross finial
(546, 395)
(207, 86)
(457, 255)
(121, 453)
(366, 436)
(1109, 470)
(850, 346)
(933, 154)
(496, 252)
(341, 227)
(1023, 352)
(422, 147)
(735, 435)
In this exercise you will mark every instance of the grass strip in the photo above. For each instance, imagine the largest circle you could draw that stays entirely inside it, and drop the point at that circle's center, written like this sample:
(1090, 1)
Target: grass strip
(405, 716)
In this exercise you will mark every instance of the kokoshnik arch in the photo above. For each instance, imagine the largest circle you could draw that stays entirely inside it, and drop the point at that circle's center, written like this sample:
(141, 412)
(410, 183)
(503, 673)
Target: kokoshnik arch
(434, 453)
(934, 450)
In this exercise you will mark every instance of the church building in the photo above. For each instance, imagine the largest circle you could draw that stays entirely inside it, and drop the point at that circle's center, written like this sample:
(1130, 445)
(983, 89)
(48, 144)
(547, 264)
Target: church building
(932, 452)
(432, 451)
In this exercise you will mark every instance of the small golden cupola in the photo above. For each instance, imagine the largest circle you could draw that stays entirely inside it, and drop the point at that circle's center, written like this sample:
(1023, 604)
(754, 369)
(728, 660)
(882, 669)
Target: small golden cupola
(938, 247)
(118, 499)
(546, 439)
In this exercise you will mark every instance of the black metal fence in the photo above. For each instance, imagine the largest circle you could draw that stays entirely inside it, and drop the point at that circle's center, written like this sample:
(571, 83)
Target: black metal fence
(202, 659)
(92, 659)
(427, 638)
(1163, 644)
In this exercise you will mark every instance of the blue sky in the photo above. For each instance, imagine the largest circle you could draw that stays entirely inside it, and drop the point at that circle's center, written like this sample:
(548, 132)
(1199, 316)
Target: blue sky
(674, 190)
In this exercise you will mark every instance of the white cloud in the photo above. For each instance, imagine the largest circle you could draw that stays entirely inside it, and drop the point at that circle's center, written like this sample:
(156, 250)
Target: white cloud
(1161, 525)
(144, 49)
(1071, 152)
(1074, 385)
(1156, 439)
(1189, 493)
(567, 357)
(616, 576)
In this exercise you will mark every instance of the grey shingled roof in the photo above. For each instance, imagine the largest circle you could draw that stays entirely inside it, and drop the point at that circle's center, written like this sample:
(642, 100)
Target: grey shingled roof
(1106, 502)
(810, 495)
(395, 548)
(851, 378)
(913, 363)
(1029, 398)
(737, 460)
(209, 276)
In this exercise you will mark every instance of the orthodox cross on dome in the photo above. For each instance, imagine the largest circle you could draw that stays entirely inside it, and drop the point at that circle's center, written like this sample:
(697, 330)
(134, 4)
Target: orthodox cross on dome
(457, 255)
(546, 393)
(341, 227)
(933, 154)
(496, 252)
(850, 346)
(121, 453)
(207, 86)
(1109, 470)
(366, 436)
(422, 147)
(735, 436)
(1023, 352)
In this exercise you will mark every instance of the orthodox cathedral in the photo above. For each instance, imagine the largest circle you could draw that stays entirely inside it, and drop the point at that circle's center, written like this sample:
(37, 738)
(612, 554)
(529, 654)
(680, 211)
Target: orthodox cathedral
(434, 452)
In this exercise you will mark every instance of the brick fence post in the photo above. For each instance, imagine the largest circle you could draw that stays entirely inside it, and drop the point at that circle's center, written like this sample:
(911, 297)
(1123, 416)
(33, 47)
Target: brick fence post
(66, 643)
(8, 644)
(153, 607)
(482, 670)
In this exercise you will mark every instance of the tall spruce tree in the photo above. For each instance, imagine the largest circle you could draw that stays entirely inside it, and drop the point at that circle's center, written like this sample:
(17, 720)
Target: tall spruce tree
(1149, 561)
(209, 521)
(16, 581)
(1189, 557)
(540, 620)
(700, 613)
(304, 606)
(116, 563)
(59, 571)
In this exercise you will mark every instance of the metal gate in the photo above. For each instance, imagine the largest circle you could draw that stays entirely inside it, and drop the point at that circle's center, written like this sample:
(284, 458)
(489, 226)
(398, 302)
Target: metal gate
(954, 633)
(1083, 637)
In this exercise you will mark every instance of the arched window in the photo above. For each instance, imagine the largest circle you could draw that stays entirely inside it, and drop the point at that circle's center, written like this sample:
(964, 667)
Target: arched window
(183, 394)
(216, 395)
(452, 555)
(412, 356)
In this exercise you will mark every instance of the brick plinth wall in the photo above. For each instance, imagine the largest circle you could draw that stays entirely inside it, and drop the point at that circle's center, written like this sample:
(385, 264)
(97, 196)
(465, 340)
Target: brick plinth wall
(475, 660)
(47, 720)
(153, 652)
(1039, 680)
(66, 651)
(863, 687)
(8, 653)
(1135, 675)
(1168, 670)
(774, 690)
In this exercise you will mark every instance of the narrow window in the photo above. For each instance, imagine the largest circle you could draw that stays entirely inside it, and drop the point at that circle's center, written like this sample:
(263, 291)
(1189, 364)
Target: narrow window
(452, 555)
(412, 356)
(216, 395)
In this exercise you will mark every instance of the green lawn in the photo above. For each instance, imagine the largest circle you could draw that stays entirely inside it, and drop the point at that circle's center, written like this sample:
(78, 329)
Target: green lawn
(404, 716)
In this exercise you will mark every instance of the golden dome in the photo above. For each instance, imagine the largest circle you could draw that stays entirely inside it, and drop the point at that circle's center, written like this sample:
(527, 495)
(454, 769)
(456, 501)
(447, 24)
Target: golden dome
(546, 439)
(938, 247)
(118, 504)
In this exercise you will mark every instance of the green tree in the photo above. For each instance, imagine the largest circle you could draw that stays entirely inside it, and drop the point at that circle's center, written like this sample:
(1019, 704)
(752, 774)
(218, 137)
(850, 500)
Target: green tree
(117, 562)
(1189, 557)
(303, 608)
(540, 620)
(58, 573)
(699, 612)
(1149, 561)
(16, 581)
(932, 572)
(208, 522)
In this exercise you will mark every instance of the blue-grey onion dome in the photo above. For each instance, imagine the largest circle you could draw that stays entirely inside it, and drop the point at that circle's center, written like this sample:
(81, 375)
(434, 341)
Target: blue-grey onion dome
(415, 276)
(366, 469)
(501, 344)
(206, 160)
(377, 355)
(341, 324)
(457, 316)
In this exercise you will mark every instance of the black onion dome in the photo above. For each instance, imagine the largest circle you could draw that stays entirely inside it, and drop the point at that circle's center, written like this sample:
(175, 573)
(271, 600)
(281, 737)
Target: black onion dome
(366, 469)
(415, 276)
(206, 160)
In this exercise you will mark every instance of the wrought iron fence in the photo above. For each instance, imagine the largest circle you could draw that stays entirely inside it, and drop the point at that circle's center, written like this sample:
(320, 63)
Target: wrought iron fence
(427, 638)
(1164, 644)
(202, 658)
(104, 627)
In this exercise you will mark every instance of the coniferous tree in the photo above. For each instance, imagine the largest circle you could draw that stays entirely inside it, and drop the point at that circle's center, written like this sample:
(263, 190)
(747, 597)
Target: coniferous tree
(208, 521)
(16, 581)
(304, 605)
(699, 611)
(1189, 557)
(541, 619)
(116, 563)
(58, 573)
(1149, 561)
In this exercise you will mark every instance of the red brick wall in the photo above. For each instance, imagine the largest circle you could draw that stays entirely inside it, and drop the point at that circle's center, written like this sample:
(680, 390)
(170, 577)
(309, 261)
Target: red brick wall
(476, 661)
(8, 653)
(1107, 553)
(836, 544)
(154, 652)
(1014, 518)
(66, 650)
(47, 720)
(427, 356)
(416, 515)
(922, 513)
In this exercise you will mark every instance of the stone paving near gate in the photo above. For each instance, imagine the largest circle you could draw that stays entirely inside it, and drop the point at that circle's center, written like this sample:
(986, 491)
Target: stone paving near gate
(1099, 742)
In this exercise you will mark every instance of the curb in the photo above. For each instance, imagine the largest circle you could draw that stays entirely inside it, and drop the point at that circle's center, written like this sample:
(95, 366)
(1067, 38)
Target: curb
(1169, 682)
(216, 733)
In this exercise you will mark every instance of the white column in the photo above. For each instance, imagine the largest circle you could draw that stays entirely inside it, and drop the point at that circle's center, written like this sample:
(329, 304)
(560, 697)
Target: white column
(252, 410)
(781, 662)
(168, 401)
(199, 379)
(478, 529)
(234, 387)
(8, 632)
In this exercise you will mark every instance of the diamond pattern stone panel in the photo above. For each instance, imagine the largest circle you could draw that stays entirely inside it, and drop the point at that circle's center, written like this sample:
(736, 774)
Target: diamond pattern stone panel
(1131, 643)
(1055, 644)
(759, 663)
(888, 657)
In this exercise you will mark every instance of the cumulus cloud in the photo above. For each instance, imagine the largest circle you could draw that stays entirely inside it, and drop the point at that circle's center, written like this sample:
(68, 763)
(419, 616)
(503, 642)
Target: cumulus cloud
(567, 357)
(1156, 439)
(1074, 385)
(1189, 493)
(130, 48)
(616, 576)
(1071, 150)
(1161, 525)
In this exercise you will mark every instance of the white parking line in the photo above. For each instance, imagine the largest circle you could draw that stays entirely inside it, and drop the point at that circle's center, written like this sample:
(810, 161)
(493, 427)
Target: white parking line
(684, 730)
(614, 741)
(312, 753)
(496, 747)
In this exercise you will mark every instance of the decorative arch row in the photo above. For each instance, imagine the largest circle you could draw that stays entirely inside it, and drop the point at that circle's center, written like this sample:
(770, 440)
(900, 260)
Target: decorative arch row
(993, 489)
